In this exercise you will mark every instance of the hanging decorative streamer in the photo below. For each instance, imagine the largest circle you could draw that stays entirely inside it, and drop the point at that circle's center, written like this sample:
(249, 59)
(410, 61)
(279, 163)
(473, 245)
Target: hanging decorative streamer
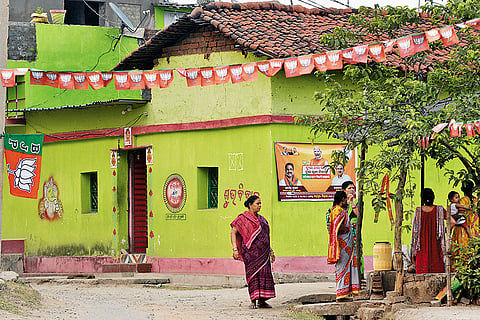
(207, 76)
(386, 188)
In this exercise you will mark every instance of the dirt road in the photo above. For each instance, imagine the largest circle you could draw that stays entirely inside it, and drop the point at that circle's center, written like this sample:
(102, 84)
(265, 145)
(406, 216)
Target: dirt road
(96, 302)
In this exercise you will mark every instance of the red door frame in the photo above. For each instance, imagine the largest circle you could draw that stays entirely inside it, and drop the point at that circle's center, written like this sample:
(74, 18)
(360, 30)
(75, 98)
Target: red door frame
(137, 201)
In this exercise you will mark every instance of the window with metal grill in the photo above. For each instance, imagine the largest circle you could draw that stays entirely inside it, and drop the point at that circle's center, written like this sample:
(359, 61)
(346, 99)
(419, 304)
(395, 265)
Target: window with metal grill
(89, 192)
(207, 187)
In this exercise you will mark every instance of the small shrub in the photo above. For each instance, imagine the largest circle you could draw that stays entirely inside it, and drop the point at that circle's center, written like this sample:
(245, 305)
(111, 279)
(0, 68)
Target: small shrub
(467, 266)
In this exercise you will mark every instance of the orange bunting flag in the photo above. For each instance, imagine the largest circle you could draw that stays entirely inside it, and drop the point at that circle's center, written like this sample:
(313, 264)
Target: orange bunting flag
(136, 80)
(80, 80)
(347, 56)
(270, 67)
(250, 71)
(388, 45)
(206, 75)
(95, 79)
(121, 81)
(193, 77)
(420, 43)
(181, 72)
(432, 35)
(107, 77)
(475, 24)
(334, 60)
(66, 80)
(470, 129)
(151, 79)
(320, 61)
(8, 78)
(377, 52)
(449, 36)
(291, 67)
(236, 73)
(476, 123)
(455, 128)
(165, 78)
(37, 77)
(405, 47)
(221, 74)
(360, 54)
(52, 77)
(305, 64)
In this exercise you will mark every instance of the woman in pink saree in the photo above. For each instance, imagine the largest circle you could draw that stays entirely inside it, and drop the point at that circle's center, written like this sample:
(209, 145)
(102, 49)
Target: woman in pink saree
(250, 239)
(341, 249)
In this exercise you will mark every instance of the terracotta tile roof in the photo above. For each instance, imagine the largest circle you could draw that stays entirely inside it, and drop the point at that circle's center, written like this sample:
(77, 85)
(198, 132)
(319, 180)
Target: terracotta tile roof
(270, 29)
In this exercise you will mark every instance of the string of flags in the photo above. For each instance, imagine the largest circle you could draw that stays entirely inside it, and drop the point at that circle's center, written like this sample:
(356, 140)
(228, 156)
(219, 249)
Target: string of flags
(455, 129)
(207, 76)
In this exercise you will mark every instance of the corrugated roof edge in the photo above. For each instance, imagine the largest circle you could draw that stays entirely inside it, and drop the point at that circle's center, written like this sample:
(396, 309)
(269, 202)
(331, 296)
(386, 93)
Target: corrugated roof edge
(80, 106)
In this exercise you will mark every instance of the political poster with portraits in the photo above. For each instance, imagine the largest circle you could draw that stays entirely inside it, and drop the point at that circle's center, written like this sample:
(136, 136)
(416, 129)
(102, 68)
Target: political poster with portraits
(304, 171)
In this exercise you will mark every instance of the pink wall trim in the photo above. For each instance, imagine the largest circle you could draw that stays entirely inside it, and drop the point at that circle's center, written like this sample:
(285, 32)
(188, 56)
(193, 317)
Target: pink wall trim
(226, 266)
(213, 124)
(13, 246)
(232, 267)
(66, 264)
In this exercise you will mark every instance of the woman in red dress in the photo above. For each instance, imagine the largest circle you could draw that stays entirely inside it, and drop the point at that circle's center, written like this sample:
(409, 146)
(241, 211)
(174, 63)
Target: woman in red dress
(428, 235)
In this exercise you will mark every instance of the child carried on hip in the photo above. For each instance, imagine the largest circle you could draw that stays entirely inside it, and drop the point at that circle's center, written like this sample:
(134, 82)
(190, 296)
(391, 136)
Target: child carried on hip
(457, 211)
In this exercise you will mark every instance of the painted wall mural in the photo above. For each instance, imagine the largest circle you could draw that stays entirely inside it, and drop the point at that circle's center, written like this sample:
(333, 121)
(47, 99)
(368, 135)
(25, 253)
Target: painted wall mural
(175, 196)
(233, 194)
(50, 207)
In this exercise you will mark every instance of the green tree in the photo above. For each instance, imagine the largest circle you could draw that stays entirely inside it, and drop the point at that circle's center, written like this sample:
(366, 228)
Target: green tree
(374, 105)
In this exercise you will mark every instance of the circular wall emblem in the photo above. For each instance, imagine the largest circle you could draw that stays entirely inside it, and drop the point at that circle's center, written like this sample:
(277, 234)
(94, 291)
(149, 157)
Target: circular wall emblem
(175, 193)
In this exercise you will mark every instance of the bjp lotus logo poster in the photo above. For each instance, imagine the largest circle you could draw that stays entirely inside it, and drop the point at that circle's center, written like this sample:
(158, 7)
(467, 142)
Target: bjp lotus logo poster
(23, 155)
(305, 171)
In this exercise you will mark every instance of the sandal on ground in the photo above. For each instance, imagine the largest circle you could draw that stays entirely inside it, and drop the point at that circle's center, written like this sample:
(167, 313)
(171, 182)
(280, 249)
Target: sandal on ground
(264, 305)
(346, 299)
(253, 305)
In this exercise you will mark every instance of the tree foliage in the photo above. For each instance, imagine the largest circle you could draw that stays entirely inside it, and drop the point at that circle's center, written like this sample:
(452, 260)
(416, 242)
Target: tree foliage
(379, 106)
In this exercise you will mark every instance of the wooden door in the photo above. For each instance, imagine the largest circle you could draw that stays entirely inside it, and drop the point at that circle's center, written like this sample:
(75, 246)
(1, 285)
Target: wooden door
(138, 219)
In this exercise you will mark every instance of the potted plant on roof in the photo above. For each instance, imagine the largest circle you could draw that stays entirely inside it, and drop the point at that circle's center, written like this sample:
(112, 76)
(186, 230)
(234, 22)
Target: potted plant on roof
(39, 16)
(58, 16)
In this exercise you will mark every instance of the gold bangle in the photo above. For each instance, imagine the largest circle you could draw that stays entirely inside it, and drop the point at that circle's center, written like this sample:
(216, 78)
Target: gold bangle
(235, 249)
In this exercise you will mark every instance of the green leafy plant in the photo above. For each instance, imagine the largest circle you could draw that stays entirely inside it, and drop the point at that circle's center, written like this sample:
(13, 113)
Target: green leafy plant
(467, 265)
(39, 10)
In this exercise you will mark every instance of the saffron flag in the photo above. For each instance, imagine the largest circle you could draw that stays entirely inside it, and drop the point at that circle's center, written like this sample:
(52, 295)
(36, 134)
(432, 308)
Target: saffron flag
(405, 46)
(291, 67)
(377, 52)
(66, 80)
(8, 78)
(320, 61)
(23, 156)
(221, 74)
(305, 64)
(347, 55)
(449, 36)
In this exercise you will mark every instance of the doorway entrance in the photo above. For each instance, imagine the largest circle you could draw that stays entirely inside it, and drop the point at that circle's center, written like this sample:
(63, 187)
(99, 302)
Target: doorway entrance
(137, 202)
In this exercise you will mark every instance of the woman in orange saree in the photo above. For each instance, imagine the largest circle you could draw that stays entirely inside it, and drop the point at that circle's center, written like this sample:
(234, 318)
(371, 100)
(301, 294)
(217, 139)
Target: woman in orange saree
(341, 250)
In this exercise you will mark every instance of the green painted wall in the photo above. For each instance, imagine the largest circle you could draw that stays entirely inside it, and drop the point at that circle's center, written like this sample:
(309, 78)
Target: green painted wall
(298, 228)
(179, 103)
(75, 48)
(75, 233)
